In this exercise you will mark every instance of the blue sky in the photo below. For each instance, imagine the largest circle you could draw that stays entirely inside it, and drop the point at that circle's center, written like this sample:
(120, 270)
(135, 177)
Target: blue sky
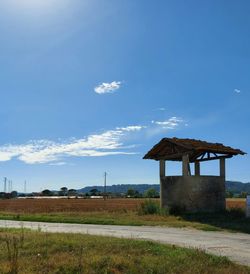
(90, 86)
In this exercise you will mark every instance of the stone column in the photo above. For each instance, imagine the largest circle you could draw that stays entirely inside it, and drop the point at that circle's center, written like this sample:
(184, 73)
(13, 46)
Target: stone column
(185, 165)
(162, 176)
(197, 169)
(223, 168)
(162, 168)
(223, 177)
(248, 206)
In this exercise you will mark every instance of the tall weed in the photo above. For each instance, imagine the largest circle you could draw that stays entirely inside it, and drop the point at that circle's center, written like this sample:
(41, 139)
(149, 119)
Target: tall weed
(13, 244)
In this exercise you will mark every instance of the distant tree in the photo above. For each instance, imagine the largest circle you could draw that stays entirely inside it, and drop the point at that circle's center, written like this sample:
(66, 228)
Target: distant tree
(151, 193)
(64, 190)
(243, 194)
(71, 192)
(94, 192)
(130, 192)
(229, 194)
(137, 194)
(13, 194)
(133, 193)
(46, 192)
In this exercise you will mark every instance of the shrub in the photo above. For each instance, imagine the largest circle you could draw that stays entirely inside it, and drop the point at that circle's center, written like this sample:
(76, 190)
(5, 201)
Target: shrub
(149, 207)
(151, 193)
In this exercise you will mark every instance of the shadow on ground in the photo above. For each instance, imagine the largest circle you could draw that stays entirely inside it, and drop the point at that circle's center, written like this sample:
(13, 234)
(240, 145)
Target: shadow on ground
(233, 220)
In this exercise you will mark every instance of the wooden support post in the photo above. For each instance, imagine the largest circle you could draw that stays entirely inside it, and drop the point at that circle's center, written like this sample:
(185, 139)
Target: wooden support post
(185, 165)
(223, 167)
(162, 176)
(197, 171)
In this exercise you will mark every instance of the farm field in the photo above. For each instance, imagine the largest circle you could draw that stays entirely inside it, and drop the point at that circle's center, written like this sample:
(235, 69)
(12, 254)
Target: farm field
(84, 205)
(120, 212)
(68, 205)
(236, 203)
(74, 253)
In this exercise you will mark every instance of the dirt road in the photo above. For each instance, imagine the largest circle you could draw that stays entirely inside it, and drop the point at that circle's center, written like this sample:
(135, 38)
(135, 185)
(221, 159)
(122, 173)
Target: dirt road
(236, 246)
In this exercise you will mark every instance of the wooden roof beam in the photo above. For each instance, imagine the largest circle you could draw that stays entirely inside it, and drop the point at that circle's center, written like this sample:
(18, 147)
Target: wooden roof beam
(213, 158)
(175, 156)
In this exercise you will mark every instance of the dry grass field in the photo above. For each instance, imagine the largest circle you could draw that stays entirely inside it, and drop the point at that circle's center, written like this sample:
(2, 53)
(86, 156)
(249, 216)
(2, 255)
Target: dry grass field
(236, 203)
(30, 206)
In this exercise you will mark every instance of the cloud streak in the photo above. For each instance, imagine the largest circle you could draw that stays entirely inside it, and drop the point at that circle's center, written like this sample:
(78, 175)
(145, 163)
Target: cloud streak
(107, 87)
(110, 142)
(160, 109)
(44, 151)
(171, 123)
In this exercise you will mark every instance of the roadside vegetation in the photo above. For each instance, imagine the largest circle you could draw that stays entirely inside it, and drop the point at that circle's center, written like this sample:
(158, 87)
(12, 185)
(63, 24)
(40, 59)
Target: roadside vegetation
(23, 251)
(123, 212)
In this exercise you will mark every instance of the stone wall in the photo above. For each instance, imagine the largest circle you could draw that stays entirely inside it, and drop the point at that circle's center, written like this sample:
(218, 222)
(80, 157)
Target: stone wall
(194, 193)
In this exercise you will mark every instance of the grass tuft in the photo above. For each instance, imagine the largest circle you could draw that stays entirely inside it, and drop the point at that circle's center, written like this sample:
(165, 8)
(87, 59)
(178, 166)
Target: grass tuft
(149, 207)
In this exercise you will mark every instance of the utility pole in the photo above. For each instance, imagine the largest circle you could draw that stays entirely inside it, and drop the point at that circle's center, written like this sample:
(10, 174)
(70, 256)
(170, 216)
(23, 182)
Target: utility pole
(9, 186)
(105, 185)
(5, 184)
(25, 187)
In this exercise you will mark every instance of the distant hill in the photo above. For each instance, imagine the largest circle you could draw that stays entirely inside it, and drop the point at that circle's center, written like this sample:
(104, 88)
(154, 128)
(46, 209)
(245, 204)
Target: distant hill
(233, 186)
(121, 188)
(237, 187)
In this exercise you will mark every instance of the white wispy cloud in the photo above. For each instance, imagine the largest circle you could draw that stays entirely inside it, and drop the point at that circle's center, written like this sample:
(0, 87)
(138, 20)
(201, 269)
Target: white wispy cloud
(160, 109)
(170, 123)
(237, 90)
(44, 151)
(107, 87)
(58, 164)
(110, 142)
(131, 128)
(164, 126)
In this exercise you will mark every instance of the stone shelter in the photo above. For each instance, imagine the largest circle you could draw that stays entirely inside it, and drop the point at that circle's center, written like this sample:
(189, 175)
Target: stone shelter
(192, 192)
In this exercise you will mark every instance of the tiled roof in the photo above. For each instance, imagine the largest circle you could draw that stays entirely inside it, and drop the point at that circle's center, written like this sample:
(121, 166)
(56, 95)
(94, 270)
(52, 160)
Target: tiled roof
(174, 148)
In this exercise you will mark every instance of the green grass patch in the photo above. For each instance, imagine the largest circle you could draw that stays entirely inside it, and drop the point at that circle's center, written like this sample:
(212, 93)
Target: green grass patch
(39, 252)
(110, 218)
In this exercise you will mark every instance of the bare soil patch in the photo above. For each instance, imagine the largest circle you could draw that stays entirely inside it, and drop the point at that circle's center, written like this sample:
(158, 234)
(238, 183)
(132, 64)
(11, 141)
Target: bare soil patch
(68, 205)
(84, 205)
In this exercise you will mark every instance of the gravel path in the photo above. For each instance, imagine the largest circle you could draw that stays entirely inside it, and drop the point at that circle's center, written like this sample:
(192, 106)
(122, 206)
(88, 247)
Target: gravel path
(236, 246)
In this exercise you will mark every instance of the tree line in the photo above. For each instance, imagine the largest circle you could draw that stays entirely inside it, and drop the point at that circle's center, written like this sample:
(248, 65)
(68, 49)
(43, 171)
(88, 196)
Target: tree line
(131, 193)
